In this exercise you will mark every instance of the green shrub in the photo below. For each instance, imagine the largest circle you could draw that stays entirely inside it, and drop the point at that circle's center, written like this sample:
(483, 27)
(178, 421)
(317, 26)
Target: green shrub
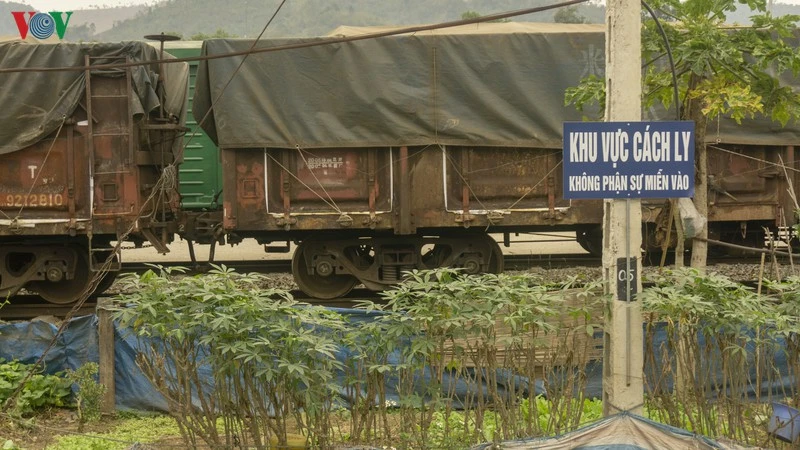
(38, 392)
(90, 393)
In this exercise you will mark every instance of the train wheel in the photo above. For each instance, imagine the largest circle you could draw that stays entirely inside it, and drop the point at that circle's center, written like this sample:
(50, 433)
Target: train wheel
(108, 278)
(323, 283)
(481, 254)
(496, 262)
(591, 240)
(62, 291)
(435, 256)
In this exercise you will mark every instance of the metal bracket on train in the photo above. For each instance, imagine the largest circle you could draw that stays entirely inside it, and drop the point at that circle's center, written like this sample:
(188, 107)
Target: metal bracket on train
(465, 219)
(494, 217)
(72, 227)
(14, 226)
(286, 222)
(554, 214)
(372, 220)
(345, 221)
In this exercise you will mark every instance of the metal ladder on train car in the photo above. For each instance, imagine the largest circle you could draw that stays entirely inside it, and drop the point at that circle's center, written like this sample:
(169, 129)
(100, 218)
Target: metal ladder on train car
(98, 255)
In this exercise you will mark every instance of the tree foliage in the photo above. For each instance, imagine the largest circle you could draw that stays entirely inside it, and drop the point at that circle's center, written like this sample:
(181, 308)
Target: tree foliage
(726, 70)
(219, 34)
(735, 68)
(474, 15)
(569, 14)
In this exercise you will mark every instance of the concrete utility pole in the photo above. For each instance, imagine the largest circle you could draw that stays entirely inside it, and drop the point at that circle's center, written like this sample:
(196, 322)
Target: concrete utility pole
(622, 233)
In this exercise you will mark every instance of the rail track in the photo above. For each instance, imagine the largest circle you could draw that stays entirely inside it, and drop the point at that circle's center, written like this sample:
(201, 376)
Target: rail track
(28, 306)
(511, 262)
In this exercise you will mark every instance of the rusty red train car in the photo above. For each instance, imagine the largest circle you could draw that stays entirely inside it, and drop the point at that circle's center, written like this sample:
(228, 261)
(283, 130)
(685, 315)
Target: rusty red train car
(383, 155)
(89, 132)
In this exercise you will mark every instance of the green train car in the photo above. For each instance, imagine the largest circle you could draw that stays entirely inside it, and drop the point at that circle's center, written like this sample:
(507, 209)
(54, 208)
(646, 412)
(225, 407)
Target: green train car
(200, 173)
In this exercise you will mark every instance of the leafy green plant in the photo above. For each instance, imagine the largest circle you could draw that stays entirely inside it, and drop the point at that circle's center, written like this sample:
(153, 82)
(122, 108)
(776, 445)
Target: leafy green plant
(277, 364)
(8, 444)
(788, 324)
(90, 393)
(497, 331)
(38, 392)
(273, 359)
(717, 330)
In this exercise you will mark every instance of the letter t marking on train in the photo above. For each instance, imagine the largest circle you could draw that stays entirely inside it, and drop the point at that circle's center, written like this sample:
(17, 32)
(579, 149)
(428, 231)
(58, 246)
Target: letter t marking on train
(33, 171)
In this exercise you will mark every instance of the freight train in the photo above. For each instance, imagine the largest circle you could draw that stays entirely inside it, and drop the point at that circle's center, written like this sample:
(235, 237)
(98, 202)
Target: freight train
(378, 156)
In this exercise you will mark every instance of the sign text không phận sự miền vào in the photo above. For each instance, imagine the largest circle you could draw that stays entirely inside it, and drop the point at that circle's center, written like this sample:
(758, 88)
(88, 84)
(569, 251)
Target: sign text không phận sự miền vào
(628, 160)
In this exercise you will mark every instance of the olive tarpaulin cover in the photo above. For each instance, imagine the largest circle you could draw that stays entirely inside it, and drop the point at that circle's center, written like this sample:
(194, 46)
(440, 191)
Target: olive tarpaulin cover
(36, 103)
(496, 84)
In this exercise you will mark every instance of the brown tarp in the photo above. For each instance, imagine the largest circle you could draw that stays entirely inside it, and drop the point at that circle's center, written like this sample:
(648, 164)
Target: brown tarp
(35, 103)
(487, 84)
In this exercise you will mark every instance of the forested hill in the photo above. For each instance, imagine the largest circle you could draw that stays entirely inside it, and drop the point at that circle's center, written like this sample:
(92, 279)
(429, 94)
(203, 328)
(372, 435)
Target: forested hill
(246, 18)
(198, 19)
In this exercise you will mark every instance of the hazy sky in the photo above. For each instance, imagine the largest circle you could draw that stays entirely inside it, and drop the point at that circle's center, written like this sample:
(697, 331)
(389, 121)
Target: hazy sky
(69, 5)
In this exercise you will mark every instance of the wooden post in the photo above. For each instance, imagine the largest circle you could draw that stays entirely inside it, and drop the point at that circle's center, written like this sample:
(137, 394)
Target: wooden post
(105, 331)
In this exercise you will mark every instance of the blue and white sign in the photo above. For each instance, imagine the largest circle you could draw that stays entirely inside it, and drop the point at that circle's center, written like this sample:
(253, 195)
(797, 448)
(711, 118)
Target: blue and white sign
(628, 159)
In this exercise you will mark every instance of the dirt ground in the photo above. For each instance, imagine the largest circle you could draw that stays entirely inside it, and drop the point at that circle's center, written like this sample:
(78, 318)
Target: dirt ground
(40, 431)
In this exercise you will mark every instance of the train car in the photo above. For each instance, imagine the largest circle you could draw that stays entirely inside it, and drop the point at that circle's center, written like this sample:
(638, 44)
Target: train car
(383, 155)
(200, 171)
(90, 138)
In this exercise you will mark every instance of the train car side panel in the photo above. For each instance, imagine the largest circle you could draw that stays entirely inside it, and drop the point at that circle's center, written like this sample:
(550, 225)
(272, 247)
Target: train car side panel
(282, 189)
(45, 186)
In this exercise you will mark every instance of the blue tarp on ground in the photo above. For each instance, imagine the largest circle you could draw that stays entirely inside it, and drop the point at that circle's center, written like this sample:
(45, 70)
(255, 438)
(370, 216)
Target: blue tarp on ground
(26, 341)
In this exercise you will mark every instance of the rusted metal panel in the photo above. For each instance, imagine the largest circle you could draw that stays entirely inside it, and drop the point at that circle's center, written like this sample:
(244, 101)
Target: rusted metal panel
(507, 179)
(512, 189)
(329, 180)
(404, 218)
(743, 175)
(285, 189)
(230, 204)
(40, 183)
(741, 213)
